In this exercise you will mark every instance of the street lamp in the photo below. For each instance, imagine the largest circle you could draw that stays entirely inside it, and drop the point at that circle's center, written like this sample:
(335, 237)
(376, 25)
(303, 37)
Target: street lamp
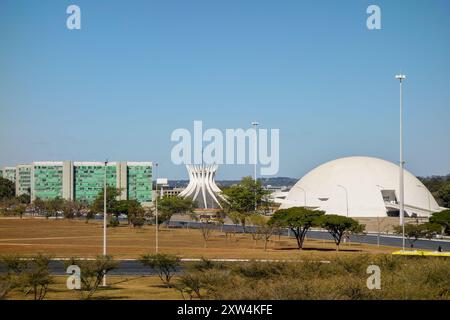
(401, 78)
(156, 206)
(104, 220)
(346, 195)
(255, 125)
(378, 218)
(304, 192)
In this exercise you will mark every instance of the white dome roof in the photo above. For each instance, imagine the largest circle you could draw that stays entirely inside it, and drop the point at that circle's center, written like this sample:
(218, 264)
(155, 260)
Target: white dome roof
(371, 185)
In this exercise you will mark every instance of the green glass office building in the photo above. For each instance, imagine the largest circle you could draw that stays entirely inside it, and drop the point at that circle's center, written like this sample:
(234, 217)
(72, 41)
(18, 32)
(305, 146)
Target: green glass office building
(82, 181)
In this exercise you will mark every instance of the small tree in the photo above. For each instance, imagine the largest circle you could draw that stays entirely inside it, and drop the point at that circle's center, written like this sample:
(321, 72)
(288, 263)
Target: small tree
(36, 278)
(243, 198)
(14, 267)
(263, 228)
(92, 273)
(207, 228)
(72, 209)
(89, 216)
(111, 200)
(190, 284)
(19, 210)
(7, 189)
(24, 198)
(170, 205)
(38, 206)
(414, 232)
(443, 219)
(164, 264)
(53, 207)
(340, 227)
(298, 219)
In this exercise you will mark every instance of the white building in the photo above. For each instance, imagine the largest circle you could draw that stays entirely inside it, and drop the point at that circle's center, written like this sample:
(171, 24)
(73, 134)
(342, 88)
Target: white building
(360, 187)
(202, 188)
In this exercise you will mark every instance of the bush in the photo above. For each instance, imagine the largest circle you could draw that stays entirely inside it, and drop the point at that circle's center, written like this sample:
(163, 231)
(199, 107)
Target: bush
(113, 222)
(137, 221)
(92, 273)
(259, 270)
(164, 264)
(344, 278)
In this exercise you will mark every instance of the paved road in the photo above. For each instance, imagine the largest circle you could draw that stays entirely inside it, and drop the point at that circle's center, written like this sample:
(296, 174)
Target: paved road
(385, 240)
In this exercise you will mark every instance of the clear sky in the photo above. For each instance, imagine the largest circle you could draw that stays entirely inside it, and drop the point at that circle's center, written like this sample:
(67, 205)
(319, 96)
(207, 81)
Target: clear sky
(137, 70)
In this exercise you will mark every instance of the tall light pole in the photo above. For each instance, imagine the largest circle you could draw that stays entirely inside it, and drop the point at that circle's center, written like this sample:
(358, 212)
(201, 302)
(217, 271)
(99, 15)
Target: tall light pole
(346, 196)
(104, 219)
(401, 78)
(156, 206)
(378, 218)
(304, 192)
(255, 125)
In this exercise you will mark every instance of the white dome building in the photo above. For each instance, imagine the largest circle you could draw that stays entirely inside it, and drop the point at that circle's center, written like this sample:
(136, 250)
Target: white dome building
(360, 187)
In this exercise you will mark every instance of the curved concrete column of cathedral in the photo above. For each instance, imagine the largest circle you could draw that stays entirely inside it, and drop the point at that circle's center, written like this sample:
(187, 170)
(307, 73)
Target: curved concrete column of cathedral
(202, 188)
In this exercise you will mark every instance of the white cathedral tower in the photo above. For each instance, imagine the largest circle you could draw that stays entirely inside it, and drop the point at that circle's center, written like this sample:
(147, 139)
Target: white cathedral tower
(202, 187)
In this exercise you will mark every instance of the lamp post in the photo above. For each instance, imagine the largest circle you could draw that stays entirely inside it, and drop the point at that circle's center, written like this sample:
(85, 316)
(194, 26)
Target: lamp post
(104, 220)
(401, 78)
(346, 196)
(378, 219)
(156, 206)
(255, 125)
(304, 192)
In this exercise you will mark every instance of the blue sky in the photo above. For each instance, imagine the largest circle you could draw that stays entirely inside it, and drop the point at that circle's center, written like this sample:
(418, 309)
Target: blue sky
(137, 70)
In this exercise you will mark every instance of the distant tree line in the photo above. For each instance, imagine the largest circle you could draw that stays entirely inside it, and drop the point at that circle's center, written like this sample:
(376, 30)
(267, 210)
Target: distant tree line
(439, 187)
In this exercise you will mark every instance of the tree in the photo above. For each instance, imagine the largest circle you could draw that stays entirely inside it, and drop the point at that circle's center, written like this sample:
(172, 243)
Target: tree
(241, 199)
(132, 209)
(164, 264)
(7, 189)
(38, 206)
(207, 228)
(413, 232)
(111, 200)
(190, 284)
(92, 272)
(53, 206)
(262, 228)
(71, 209)
(24, 198)
(19, 210)
(443, 219)
(340, 227)
(170, 205)
(298, 219)
(443, 195)
(36, 277)
(255, 220)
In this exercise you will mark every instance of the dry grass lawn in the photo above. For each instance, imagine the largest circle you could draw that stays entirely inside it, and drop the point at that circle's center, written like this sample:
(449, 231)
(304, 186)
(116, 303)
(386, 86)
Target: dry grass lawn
(119, 288)
(66, 238)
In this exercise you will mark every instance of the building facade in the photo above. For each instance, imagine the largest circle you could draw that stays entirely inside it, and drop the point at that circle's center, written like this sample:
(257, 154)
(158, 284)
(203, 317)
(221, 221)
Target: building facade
(9, 173)
(82, 181)
(23, 179)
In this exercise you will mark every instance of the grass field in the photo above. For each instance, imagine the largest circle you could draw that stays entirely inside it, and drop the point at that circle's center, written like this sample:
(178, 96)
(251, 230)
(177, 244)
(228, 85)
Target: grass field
(119, 288)
(66, 238)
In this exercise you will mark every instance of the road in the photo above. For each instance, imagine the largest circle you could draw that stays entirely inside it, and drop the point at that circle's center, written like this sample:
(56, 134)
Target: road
(135, 268)
(385, 240)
